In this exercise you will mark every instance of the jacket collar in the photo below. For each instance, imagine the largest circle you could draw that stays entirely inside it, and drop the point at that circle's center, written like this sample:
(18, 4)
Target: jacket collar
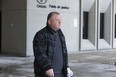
(51, 30)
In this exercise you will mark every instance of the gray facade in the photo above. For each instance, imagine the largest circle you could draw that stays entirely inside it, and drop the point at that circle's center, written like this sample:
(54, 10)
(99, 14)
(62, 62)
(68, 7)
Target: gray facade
(21, 19)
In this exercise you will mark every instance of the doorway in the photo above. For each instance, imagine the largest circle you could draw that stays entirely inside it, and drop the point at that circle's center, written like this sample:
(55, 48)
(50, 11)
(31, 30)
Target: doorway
(0, 32)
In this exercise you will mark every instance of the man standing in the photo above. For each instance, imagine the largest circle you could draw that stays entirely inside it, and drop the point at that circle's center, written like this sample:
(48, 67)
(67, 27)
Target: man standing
(51, 59)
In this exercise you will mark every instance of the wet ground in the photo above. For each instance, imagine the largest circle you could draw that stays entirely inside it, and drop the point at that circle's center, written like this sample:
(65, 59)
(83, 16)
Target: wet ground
(16, 67)
(91, 64)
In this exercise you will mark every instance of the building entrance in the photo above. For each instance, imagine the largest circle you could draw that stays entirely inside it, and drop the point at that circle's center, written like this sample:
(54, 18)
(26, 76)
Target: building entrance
(0, 32)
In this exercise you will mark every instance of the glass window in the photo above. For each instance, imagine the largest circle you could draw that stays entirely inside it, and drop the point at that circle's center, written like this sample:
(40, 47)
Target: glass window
(101, 25)
(85, 25)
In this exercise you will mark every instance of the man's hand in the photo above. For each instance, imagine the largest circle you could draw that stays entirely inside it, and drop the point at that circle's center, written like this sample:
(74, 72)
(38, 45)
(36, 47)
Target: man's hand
(50, 73)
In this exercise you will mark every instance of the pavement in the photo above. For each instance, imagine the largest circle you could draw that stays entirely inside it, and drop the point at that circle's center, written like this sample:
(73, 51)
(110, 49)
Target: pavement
(83, 64)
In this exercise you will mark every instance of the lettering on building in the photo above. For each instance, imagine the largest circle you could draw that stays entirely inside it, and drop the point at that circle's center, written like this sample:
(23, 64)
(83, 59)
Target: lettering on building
(42, 4)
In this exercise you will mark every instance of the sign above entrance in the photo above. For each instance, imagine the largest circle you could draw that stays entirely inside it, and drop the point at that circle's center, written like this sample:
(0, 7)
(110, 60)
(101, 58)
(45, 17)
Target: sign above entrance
(43, 4)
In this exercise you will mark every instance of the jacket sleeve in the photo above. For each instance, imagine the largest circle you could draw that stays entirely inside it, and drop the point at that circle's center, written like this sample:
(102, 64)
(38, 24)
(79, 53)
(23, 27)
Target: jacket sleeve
(39, 48)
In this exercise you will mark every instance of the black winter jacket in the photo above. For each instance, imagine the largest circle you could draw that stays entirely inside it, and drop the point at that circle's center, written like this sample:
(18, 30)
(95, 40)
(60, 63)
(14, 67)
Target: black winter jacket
(43, 46)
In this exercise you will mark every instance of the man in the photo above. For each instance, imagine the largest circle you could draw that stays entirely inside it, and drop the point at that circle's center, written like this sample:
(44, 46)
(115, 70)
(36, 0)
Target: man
(50, 49)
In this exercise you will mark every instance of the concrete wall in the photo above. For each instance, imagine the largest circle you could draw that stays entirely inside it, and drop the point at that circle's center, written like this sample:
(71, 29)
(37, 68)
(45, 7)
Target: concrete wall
(21, 19)
(114, 12)
(14, 27)
(36, 20)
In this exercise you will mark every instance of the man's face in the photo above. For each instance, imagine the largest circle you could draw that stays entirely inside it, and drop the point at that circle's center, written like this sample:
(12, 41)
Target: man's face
(55, 22)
